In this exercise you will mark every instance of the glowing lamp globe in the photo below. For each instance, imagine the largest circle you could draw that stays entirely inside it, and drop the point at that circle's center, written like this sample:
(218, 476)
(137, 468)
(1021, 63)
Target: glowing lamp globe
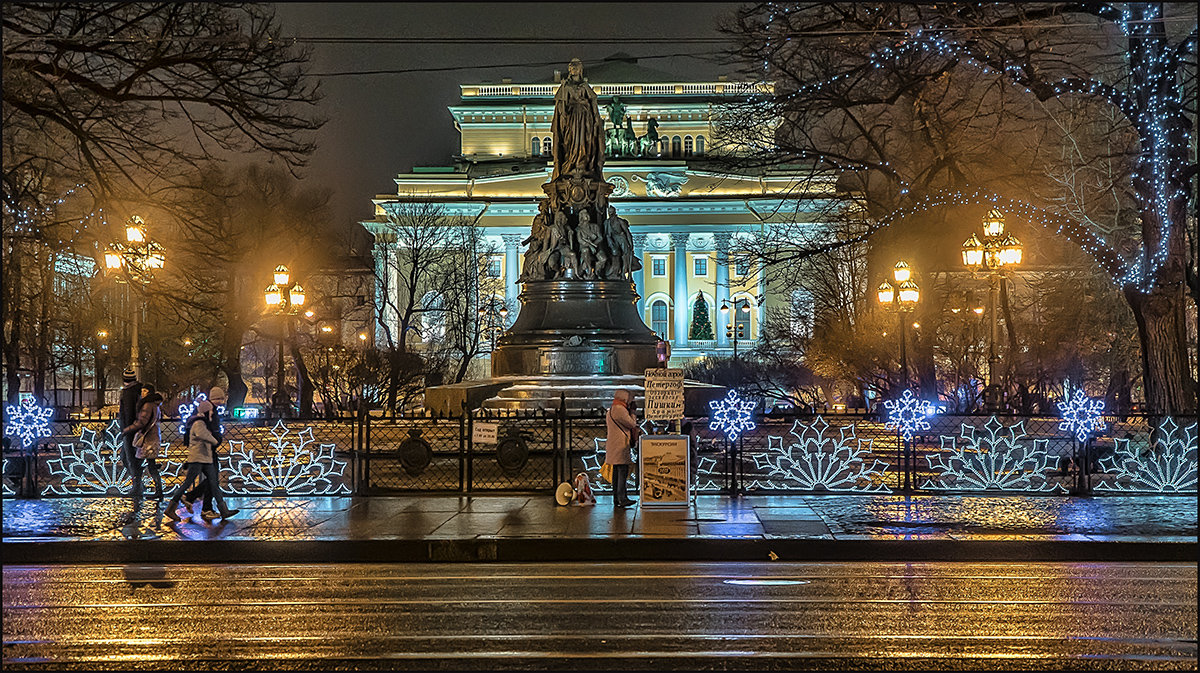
(273, 296)
(113, 260)
(281, 275)
(887, 293)
(1010, 250)
(909, 292)
(972, 252)
(901, 272)
(993, 224)
(296, 295)
(134, 232)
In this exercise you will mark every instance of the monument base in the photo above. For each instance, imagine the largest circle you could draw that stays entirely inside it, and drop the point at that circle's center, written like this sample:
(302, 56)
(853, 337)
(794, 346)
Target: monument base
(575, 327)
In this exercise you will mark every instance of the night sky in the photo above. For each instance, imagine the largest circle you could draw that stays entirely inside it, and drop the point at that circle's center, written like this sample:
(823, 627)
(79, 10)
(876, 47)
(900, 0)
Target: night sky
(381, 125)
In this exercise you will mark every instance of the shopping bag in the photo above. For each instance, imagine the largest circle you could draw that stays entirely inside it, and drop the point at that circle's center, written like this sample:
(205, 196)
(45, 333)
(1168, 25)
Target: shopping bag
(606, 473)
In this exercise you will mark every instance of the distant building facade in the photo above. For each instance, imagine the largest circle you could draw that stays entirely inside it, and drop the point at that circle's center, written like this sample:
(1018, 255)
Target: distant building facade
(687, 214)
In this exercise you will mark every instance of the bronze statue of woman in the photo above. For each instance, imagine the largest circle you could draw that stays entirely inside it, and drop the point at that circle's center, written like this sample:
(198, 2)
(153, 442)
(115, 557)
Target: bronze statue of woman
(577, 130)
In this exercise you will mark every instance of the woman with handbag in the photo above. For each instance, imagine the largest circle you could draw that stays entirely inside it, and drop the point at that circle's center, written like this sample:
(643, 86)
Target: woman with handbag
(622, 433)
(147, 439)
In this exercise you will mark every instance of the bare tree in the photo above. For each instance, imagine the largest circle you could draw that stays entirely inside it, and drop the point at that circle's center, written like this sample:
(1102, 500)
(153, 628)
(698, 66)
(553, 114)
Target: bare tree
(918, 106)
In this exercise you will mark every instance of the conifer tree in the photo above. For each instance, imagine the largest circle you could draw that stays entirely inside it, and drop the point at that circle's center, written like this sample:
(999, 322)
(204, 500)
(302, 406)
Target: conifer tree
(701, 323)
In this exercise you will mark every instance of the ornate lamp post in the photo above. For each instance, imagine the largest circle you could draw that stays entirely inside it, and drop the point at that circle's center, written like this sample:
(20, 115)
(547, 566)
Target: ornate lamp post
(734, 330)
(134, 261)
(901, 295)
(286, 299)
(995, 253)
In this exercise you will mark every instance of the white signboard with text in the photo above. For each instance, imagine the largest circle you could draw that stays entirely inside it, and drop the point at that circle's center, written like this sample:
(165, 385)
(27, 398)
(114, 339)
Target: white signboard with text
(664, 395)
(664, 470)
(484, 433)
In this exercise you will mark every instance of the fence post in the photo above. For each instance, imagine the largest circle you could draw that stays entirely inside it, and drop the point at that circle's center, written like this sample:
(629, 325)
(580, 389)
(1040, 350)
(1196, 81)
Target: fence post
(466, 427)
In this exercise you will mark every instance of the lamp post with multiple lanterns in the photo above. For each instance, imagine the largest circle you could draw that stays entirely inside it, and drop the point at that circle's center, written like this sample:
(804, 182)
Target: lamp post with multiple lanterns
(901, 295)
(286, 299)
(994, 252)
(134, 261)
(734, 330)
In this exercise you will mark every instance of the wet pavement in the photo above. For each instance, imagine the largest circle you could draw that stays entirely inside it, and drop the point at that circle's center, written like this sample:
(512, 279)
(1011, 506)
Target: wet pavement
(580, 616)
(533, 527)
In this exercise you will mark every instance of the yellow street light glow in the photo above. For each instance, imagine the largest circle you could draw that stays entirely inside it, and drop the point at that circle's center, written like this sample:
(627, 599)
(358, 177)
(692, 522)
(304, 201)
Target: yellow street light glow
(972, 251)
(273, 296)
(281, 275)
(917, 325)
(901, 272)
(993, 224)
(134, 232)
(326, 329)
(978, 309)
(102, 334)
(309, 313)
(296, 295)
(909, 292)
(362, 336)
(113, 260)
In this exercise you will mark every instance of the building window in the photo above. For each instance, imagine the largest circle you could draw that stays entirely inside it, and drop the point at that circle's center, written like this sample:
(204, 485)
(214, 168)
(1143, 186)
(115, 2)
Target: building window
(658, 267)
(742, 321)
(741, 269)
(432, 321)
(699, 145)
(700, 266)
(494, 265)
(664, 145)
(676, 146)
(546, 146)
(536, 147)
(687, 146)
(658, 319)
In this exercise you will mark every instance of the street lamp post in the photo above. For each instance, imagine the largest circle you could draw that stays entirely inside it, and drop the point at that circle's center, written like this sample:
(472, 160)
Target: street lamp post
(132, 261)
(995, 252)
(286, 299)
(901, 295)
(733, 330)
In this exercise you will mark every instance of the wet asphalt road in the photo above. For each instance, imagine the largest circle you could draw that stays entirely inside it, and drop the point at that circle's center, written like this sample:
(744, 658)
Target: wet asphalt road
(601, 616)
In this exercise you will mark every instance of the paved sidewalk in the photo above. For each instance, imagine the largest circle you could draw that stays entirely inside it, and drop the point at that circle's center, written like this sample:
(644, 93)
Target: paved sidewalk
(534, 527)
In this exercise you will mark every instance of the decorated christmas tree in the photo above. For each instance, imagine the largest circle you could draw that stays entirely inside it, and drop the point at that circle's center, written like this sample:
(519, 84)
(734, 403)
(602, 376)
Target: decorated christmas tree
(701, 324)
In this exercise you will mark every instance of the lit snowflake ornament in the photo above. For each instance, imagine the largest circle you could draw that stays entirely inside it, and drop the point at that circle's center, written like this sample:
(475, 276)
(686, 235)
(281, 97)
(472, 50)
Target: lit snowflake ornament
(186, 411)
(28, 421)
(821, 462)
(93, 466)
(996, 457)
(289, 467)
(732, 416)
(1081, 415)
(1163, 463)
(907, 415)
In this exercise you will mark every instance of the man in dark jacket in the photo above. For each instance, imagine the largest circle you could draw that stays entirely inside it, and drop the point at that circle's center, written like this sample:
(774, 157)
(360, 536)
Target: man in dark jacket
(131, 392)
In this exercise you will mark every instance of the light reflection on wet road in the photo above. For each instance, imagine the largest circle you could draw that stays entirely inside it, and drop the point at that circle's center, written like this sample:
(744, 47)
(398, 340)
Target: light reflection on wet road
(578, 616)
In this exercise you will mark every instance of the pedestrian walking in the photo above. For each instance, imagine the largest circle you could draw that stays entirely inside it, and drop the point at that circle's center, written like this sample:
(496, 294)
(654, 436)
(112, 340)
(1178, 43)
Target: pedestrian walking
(217, 397)
(200, 443)
(622, 428)
(146, 434)
(131, 394)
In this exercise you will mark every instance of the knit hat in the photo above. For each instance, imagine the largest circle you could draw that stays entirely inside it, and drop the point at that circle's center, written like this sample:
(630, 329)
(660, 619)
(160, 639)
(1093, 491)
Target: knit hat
(129, 376)
(216, 393)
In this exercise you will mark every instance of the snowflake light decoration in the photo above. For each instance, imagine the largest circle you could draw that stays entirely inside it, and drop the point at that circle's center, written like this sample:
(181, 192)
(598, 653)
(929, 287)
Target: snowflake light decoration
(28, 420)
(1168, 465)
(907, 414)
(732, 415)
(817, 462)
(94, 466)
(8, 489)
(290, 466)
(995, 459)
(186, 411)
(1081, 415)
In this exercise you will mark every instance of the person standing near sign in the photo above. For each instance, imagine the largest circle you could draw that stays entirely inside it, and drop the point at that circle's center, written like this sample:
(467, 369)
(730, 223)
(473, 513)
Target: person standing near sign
(622, 433)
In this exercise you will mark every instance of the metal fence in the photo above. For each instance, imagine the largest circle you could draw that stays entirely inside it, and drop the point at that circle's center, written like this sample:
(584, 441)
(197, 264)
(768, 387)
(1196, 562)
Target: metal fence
(479, 452)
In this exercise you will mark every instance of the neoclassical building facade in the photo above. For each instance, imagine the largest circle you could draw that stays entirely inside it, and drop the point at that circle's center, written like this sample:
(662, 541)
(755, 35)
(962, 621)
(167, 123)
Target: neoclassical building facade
(686, 213)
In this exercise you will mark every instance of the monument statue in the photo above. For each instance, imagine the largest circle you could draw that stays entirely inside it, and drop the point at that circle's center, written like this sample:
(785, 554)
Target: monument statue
(578, 134)
(578, 305)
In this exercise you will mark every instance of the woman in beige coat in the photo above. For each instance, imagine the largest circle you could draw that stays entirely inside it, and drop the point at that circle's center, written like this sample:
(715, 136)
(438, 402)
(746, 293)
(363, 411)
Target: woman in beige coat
(200, 444)
(622, 433)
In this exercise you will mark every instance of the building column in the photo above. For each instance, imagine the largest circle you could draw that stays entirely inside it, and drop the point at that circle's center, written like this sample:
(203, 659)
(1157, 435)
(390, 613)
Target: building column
(639, 276)
(512, 271)
(680, 299)
(721, 241)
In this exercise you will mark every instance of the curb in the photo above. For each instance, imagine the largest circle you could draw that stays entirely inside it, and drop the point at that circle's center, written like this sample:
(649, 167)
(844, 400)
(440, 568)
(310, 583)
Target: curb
(477, 550)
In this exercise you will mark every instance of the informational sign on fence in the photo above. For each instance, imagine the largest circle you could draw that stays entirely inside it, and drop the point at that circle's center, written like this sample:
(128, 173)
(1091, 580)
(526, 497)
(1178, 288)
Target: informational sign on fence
(663, 466)
(484, 433)
(664, 394)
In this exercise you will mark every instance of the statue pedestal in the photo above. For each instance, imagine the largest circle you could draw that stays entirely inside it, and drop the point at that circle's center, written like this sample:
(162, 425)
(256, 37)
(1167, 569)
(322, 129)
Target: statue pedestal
(576, 327)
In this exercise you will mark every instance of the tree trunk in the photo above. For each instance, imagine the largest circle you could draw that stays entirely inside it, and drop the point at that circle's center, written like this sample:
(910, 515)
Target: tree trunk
(231, 365)
(1168, 384)
(1011, 370)
(303, 381)
(15, 309)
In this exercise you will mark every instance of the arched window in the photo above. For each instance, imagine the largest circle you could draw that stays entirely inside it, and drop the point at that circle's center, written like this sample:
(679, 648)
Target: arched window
(687, 146)
(658, 319)
(536, 147)
(664, 146)
(699, 145)
(676, 146)
(546, 145)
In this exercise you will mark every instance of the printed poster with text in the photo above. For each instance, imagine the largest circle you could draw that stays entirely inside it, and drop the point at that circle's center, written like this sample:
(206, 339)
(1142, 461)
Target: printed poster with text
(663, 466)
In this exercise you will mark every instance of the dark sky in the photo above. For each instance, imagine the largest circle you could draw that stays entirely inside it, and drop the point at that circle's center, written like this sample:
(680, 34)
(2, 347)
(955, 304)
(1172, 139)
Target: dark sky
(381, 125)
